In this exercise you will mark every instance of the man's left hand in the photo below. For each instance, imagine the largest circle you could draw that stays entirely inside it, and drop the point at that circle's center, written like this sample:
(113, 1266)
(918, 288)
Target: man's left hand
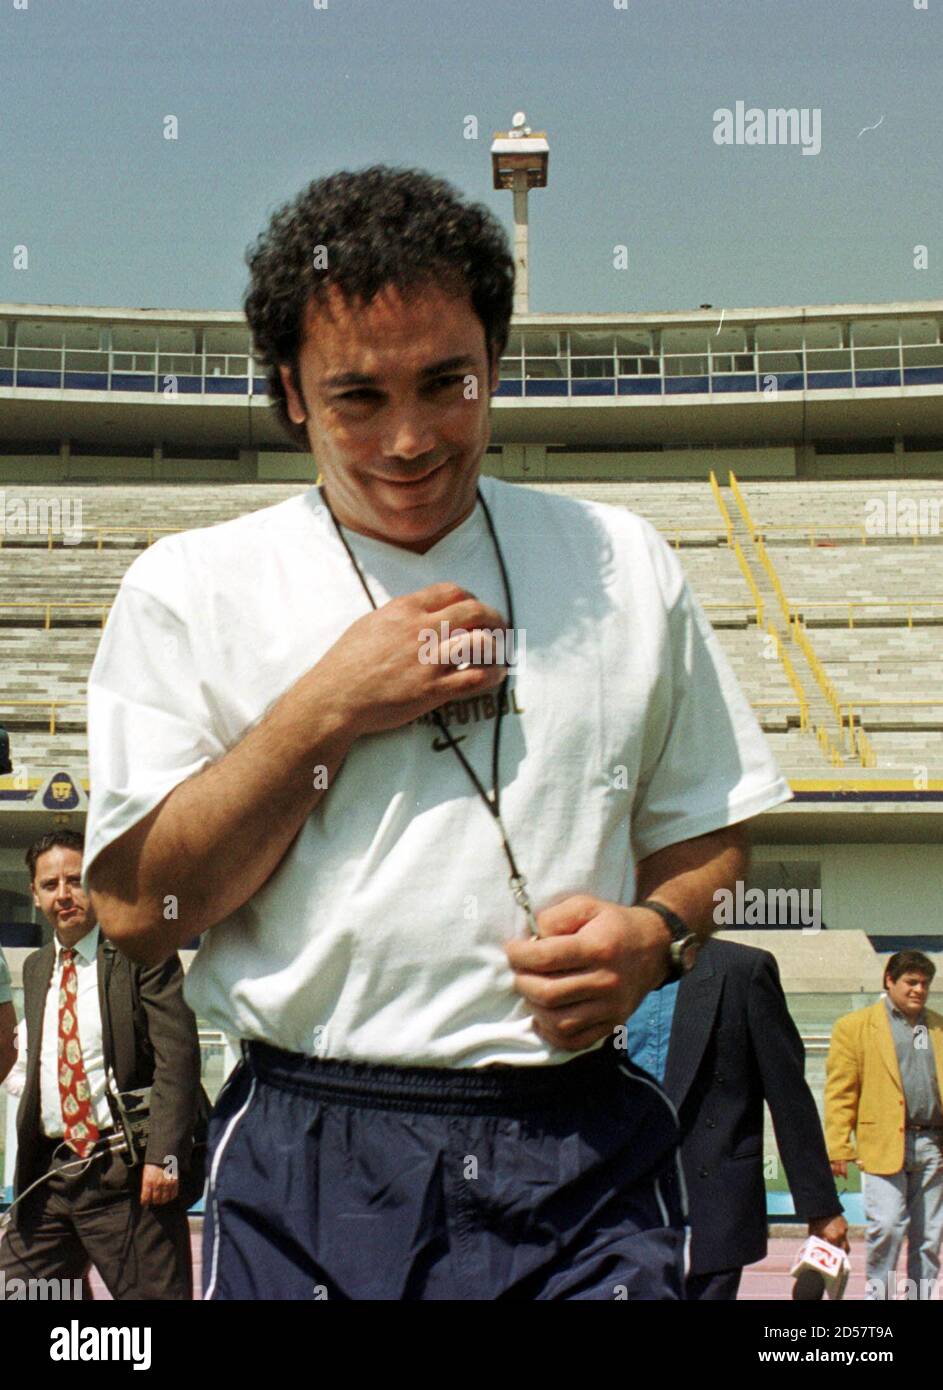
(834, 1229)
(156, 1187)
(589, 969)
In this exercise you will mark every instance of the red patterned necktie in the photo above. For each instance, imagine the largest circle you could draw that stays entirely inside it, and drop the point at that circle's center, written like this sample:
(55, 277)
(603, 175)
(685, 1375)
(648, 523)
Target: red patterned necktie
(75, 1097)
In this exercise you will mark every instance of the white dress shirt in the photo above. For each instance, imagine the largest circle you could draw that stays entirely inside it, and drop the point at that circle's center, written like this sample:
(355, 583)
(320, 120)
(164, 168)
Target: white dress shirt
(88, 1012)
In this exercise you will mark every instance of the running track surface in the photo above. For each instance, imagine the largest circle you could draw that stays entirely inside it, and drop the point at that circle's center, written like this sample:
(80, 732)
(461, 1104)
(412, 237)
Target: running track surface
(768, 1280)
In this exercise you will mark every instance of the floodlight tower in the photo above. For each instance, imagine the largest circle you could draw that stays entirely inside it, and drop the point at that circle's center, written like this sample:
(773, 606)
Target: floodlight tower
(519, 159)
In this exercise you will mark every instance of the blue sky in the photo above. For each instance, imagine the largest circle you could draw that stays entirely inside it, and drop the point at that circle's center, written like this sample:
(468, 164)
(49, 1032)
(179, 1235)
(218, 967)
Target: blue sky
(269, 94)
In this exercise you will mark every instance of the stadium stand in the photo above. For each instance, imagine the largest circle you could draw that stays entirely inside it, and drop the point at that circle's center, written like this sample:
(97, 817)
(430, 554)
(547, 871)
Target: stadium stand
(54, 600)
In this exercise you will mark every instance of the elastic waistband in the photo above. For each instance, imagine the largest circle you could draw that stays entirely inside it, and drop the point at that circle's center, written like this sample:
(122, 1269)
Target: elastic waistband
(926, 1129)
(437, 1090)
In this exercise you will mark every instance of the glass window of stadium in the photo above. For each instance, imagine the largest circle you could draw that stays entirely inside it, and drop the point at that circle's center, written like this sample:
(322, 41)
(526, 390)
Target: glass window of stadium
(179, 352)
(592, 354)
(227, 351)
(134, 348)
(921, 340)
(779, 347)
(86, 347)
(546, 368)
(827, 347)
(512, 364)
(637, 354)
(730, 351)
(543, 344)
(39, 346)
(685, 351)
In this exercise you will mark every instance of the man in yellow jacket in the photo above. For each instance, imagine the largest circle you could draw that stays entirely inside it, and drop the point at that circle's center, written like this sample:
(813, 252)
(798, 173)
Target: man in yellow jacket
(884, 1074)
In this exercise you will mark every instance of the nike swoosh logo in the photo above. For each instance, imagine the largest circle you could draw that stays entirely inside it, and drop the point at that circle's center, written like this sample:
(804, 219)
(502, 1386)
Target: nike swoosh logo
(440, 744)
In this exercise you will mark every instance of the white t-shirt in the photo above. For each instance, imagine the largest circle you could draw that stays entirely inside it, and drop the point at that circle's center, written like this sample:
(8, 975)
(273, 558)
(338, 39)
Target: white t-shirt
(380, 935)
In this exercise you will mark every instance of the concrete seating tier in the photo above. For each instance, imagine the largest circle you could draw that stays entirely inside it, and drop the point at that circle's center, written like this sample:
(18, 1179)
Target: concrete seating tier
(38, 668)
(886, 664)
(35, 753)
(64, 575)
(760, 673)
(907, 753)
(881, 576)
(716, 578)
(178, 506)
(668, 506)
(796, 752)
(836, 503)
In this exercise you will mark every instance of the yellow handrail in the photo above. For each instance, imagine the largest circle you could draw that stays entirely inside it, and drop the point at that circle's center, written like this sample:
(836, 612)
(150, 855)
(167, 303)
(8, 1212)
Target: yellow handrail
(99, 532)
(721, 506)
(793, 679)
(149, 531)
(773, 577)
(51, 705)
(891, 704)
(748, 576)
(47, 606)
(741, 503)
(825, 685)
(826, 531)
(793, 623)
(872, 603)
(865, 750)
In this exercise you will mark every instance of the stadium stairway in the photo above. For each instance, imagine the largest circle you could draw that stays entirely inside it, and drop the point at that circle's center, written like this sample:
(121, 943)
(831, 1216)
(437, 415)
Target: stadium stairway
(821, 720)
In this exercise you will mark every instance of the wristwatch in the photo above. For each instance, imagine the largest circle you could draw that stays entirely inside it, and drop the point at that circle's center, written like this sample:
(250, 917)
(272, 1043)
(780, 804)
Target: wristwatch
(685, 944)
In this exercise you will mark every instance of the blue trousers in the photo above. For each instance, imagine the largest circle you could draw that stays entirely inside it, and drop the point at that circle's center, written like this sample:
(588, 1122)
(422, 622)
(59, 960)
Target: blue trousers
(908, 1203)
(333, 1180)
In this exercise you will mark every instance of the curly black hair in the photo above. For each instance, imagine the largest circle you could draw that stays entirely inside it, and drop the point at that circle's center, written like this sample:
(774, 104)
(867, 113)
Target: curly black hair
(373, 228)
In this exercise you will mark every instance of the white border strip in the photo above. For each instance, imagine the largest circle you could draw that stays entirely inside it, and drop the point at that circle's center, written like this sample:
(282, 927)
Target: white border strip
(682, 1185)
(217, 1158)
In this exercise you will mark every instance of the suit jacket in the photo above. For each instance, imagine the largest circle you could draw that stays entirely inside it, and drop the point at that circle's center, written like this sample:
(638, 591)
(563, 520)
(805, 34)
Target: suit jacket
(155, 1044)
(733, 1045)
(863, 1092)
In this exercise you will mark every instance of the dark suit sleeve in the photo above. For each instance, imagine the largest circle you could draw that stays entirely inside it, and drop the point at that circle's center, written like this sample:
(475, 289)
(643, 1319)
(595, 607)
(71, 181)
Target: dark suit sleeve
(781, 1059)
(171, 1028)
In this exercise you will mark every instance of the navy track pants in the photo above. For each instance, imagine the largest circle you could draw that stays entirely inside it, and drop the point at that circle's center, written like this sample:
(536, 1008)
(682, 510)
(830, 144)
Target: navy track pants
(333, 1180)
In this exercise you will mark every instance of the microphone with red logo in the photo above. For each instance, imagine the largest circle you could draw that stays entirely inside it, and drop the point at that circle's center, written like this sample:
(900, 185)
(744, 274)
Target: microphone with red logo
(820, 1267)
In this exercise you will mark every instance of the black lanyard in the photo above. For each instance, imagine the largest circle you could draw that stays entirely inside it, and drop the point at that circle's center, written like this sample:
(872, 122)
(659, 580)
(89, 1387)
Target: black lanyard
(492, 800)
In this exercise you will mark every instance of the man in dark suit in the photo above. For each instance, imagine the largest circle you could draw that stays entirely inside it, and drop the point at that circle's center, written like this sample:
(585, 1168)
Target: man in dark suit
(87, 1010)
(722, 1041)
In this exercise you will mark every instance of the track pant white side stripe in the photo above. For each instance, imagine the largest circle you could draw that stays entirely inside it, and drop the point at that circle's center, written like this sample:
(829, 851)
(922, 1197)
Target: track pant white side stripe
(210, 1188)
(682, 1185)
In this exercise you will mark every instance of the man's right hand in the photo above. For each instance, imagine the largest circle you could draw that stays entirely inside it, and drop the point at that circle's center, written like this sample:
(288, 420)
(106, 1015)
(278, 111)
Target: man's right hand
(374, 669)
(840, 1167)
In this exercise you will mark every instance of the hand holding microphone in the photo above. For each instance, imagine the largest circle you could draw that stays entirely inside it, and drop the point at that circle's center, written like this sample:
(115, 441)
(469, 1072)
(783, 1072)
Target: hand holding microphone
(819, 1267)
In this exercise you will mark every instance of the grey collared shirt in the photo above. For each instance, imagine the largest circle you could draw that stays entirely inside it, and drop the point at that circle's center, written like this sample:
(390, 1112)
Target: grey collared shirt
(917, 1067)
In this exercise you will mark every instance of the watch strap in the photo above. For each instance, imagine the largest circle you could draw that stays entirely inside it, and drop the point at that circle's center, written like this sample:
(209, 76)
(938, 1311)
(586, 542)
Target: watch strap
(682, 938)
(676, 925)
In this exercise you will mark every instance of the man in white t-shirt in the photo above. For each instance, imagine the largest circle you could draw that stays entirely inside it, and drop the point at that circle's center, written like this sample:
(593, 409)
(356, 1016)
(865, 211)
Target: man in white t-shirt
(302, 744)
